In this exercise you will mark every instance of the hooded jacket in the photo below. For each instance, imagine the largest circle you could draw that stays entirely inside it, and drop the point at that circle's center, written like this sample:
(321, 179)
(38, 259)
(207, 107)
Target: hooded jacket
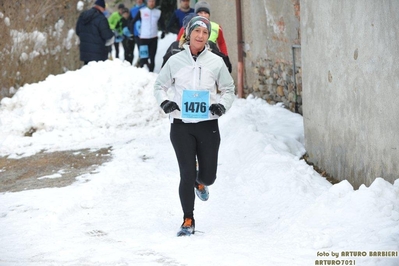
(207, 73)
(93, 30)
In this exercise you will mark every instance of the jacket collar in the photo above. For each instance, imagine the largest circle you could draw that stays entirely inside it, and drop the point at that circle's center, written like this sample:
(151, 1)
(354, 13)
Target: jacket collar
(186, 47)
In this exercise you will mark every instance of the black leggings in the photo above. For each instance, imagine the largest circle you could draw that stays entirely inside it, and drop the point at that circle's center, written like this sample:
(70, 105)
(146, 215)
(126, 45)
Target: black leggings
(190, 141)
(152, 50)
(116, 45)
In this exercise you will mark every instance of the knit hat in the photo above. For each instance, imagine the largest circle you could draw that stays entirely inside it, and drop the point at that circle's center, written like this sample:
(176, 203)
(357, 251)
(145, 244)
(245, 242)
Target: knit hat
(100, 3)
(187, 19)
(120, 6)
(202, 6)
(198, 21)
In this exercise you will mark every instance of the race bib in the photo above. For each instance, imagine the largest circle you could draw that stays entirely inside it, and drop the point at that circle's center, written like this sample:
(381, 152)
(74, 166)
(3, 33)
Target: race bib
(143, 51)
(195, 104)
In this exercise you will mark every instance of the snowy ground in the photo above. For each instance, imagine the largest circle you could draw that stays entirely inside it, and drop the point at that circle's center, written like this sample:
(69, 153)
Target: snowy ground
(267, 206)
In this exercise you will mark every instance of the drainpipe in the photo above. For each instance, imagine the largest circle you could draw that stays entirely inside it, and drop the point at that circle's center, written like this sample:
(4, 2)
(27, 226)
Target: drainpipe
(240, 43)
(295, 87)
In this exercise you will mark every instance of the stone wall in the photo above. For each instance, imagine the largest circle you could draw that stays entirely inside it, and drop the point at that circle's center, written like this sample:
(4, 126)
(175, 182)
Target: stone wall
(275, 83)
(270, 29)
(37, 39)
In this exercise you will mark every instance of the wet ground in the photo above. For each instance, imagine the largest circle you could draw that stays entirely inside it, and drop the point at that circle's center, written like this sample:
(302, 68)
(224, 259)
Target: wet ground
(49, 169)
(59, 169)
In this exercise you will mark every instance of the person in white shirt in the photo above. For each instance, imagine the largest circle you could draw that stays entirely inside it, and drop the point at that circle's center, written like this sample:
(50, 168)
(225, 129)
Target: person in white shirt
(195, 75)
(151, 20)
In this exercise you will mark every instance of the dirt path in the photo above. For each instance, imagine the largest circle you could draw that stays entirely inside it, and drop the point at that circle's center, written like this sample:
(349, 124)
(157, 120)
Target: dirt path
(55, 169)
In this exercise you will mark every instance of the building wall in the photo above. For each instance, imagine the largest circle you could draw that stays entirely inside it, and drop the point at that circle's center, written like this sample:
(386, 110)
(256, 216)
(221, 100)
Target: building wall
(351, 87)
(270, 29)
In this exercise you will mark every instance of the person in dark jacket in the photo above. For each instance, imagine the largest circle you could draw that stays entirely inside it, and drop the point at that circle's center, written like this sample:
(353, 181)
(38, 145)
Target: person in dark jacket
(176, 20)
(94, 33)
(128, 38)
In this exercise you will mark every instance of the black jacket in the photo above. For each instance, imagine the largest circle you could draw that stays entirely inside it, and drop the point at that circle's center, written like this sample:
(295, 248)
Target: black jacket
(93, 31)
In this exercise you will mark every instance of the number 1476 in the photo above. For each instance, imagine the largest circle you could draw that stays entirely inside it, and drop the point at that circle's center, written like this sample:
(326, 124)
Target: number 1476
(195, 107)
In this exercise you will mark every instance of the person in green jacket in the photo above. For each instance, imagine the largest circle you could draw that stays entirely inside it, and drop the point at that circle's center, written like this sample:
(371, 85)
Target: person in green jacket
(115, 23)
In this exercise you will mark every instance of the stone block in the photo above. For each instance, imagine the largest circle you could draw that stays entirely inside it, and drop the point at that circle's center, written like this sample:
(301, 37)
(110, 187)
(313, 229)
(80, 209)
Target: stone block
(280, 90)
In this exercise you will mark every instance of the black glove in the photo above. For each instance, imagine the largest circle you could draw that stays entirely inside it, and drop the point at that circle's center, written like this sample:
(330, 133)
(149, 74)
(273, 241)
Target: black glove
(217, 109)
(163, 35)
(169, 106)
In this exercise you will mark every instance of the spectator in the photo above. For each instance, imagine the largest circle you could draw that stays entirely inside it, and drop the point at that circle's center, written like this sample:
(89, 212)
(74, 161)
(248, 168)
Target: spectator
(94, 33)
(128, 41)
(176, 20)
(106, 11)
(116, 26)
(151, 18)
(135, 28)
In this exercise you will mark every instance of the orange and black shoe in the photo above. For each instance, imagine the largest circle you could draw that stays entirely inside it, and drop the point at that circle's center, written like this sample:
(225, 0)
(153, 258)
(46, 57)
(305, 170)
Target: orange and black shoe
(201, 191)
(187, 228)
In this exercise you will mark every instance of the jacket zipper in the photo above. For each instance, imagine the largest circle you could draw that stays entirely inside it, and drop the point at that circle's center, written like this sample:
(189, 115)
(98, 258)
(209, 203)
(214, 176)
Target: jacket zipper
(200, 71)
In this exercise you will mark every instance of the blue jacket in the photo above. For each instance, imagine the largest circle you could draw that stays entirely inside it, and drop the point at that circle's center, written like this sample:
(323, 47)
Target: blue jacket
(133, 13)
(176, 20)
(93, 30)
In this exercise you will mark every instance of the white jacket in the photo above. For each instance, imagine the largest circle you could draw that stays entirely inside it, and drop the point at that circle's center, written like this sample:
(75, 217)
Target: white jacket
(181, 72)
(149, 22)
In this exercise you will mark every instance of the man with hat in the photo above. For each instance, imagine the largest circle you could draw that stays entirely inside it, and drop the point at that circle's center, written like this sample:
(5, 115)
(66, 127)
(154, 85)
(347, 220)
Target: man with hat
(203, 9)
(178, 16)
(195, 76)
(94, 33)
(176, 46)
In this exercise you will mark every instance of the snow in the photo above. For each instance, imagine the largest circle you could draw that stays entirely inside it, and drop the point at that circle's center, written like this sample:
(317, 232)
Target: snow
(267, 206)
(80, 5)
